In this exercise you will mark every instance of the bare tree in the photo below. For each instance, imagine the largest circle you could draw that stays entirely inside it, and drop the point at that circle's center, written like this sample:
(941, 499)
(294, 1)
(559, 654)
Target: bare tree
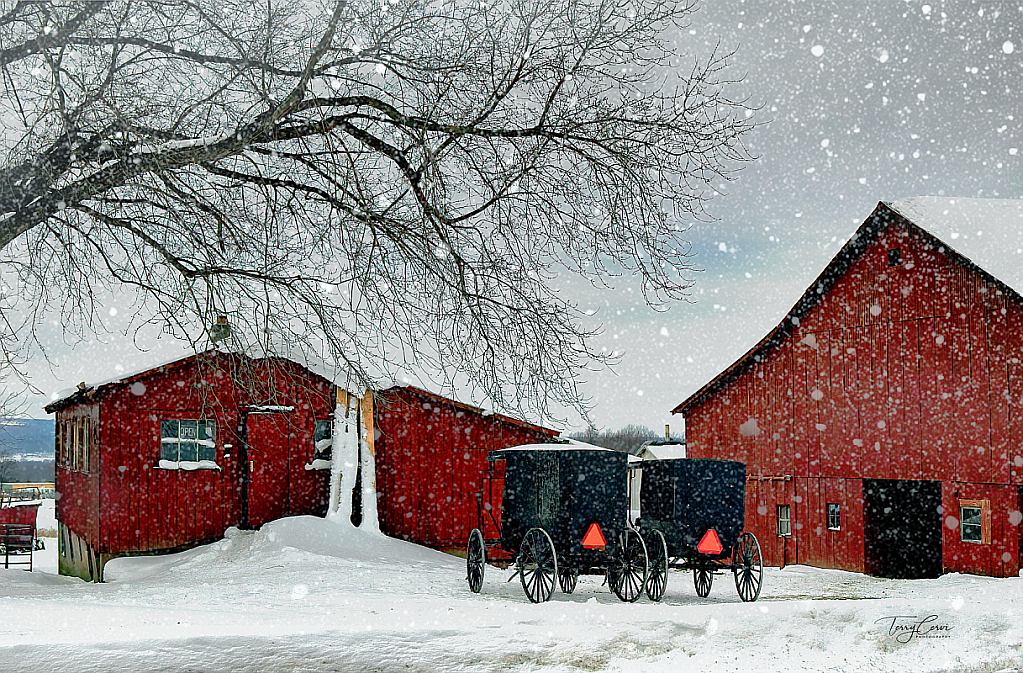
(384, 184)
(6, 465)
(628, 439)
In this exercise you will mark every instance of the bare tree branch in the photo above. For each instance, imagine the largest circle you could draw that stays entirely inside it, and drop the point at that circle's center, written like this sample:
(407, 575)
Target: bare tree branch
(389, 186)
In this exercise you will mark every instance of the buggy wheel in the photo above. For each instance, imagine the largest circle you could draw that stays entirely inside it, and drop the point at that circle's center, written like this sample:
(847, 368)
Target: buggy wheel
(537, 565)
(748, 567)
(703, 578)
(568, 578)
(657, 577)
(475, 560)
(628, 571)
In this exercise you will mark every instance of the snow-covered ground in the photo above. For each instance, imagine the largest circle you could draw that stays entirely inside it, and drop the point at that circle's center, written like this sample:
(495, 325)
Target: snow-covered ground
(307, 594)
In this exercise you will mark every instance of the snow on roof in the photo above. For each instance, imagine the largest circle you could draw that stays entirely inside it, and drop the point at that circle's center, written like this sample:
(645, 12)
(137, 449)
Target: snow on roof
(568, 445)
(317, 367)
(660, 451)
(988, 232)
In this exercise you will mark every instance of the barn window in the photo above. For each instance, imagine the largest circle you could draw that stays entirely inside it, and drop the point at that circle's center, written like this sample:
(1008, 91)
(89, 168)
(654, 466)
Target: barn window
(58, 438)
(895, 257)
(784, 521)
(975, 521)
(83, 442)
(187, 440)
(834, 516)
(76, 446)
(65, 448)
(323, 440)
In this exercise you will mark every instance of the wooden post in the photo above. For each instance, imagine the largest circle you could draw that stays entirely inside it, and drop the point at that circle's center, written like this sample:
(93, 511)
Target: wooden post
(368, 464)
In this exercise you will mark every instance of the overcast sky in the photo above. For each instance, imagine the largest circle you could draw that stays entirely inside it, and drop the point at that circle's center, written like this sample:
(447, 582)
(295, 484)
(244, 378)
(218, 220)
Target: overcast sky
(860, 102)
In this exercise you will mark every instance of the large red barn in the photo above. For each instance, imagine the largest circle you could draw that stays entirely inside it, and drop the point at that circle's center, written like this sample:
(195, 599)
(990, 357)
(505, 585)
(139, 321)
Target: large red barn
(881, 421)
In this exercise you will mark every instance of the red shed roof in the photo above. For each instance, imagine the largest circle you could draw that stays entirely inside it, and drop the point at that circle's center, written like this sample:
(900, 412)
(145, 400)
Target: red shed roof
(87, 393)
(419, 392)
(93, 392)
(981, 233)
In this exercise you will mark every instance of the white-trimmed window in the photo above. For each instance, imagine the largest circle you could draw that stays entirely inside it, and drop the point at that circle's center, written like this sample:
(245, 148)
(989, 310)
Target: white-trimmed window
(76, 447)
(834, 516)
(85, 440)
(784, 520)
(323, 443)
(975, 521)
(323, 440)
(185, 440)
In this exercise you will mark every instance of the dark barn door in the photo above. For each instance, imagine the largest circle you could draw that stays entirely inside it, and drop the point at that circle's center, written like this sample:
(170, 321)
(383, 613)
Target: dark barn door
(267, 445)
(902, 528)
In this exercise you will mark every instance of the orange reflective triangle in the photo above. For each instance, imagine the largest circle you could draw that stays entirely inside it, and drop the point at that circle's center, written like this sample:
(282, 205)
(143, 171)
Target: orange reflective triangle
(594, 538)
(710, 544)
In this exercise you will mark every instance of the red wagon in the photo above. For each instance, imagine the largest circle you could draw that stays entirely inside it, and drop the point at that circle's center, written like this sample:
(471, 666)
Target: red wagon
(18, 532)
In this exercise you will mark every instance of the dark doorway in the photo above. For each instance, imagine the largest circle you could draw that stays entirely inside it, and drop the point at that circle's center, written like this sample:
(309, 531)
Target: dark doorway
(902, 528)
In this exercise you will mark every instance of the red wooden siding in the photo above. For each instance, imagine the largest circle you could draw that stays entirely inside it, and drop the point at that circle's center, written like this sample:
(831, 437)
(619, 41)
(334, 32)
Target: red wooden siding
(128, 504)
(905, 372)
(431, 454)
(1001, 557)
(762, 499)
(78, 491)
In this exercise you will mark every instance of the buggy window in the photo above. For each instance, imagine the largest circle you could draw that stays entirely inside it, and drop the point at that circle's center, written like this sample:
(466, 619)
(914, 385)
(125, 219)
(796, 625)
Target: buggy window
(658, 492)
(548, 486)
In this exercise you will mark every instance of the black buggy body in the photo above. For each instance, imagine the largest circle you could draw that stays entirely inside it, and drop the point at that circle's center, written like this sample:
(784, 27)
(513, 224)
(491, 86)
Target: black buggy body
(692, 513)
(564, 512)
(684, 498)
(565, 492)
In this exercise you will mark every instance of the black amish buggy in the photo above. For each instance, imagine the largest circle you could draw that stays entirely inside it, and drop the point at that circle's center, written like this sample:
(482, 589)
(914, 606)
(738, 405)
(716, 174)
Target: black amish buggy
(564, 512)
(692, 513)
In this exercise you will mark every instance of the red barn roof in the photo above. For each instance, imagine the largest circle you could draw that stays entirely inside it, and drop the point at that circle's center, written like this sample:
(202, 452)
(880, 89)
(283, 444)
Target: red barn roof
(984, 234)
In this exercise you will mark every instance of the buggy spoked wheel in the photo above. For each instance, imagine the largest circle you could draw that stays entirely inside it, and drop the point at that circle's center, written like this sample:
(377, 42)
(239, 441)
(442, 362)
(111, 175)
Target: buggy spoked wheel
(568, 578)
(628, 571)
(748, 567)
(475, 560)
(537, 565)
(703, 578)
(657, 577)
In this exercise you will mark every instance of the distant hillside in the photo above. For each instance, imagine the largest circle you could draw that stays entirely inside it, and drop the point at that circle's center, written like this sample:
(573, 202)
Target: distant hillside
(28, 437)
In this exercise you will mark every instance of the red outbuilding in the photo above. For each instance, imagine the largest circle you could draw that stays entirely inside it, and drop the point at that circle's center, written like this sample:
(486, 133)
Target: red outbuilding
(171, 457)
(431, 453)
(881, 421)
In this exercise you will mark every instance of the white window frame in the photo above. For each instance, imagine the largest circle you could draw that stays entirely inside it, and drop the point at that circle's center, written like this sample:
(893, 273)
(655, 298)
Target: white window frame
(784, 519)
(833, 512)
(206, 444)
